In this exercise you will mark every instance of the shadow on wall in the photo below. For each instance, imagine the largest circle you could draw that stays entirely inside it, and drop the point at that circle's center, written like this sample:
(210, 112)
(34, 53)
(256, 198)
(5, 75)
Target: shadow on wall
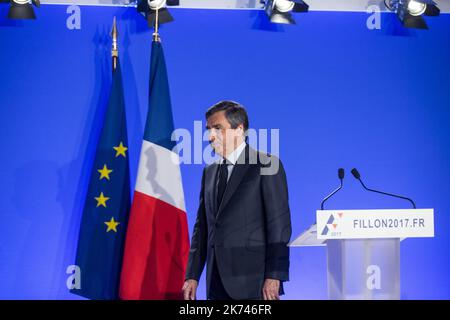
(30, 257)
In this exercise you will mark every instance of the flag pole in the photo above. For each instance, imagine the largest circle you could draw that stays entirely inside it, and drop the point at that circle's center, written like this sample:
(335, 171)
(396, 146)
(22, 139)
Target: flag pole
(114, 49)
(156, 34)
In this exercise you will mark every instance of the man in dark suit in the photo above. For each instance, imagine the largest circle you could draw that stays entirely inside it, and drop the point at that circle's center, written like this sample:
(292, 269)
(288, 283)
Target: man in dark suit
(243, 221)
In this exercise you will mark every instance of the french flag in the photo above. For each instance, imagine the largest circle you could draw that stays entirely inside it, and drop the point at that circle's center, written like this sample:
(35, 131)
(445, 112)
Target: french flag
(157, 240)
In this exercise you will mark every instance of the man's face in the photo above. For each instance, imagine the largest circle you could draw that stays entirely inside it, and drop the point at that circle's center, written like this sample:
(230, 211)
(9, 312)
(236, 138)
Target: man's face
(222, 137)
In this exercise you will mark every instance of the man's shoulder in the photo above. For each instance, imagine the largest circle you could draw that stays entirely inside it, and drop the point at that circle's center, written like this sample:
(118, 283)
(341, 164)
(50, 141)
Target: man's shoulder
(252, 156)
(211, 165)
(262, 158)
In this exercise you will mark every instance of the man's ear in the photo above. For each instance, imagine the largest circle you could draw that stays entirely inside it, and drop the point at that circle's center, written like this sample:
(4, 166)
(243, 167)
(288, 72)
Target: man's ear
(241, 128)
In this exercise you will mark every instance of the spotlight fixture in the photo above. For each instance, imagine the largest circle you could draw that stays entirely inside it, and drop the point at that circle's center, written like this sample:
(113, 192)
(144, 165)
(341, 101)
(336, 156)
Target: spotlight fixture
(279, 11)
(148, 9)
(23, 9)
(416, 8)
(411, 12)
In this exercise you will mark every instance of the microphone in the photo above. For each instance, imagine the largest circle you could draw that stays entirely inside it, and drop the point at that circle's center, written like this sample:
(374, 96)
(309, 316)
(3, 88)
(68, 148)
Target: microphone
(357, 176)
(341, 177)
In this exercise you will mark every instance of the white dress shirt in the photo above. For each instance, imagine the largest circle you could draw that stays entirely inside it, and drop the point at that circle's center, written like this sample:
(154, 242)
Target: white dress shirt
(233, 157)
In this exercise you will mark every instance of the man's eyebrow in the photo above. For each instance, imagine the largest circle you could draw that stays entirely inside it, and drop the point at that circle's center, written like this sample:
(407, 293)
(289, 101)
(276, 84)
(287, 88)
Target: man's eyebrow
(216, 126)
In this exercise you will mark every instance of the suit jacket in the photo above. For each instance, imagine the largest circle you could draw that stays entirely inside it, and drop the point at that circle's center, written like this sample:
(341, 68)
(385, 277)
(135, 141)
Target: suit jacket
(248, 233)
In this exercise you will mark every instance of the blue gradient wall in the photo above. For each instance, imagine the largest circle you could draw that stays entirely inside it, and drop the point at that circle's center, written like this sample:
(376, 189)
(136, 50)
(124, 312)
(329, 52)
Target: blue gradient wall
(341, 95)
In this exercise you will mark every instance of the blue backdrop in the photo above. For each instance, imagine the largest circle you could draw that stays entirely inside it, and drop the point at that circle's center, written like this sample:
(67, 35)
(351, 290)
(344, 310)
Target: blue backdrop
(341, 95)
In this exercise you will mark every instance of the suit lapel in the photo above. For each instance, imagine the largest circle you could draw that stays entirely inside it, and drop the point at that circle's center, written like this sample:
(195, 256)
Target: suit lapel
(239, 171)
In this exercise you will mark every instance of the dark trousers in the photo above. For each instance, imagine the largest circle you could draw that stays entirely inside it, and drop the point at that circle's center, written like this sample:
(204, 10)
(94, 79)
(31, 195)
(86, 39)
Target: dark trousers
(216, 288)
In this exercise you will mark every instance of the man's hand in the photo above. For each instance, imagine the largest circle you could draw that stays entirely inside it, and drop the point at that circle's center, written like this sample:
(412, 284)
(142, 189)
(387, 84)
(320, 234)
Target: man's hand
(190, 289)
(271, 289)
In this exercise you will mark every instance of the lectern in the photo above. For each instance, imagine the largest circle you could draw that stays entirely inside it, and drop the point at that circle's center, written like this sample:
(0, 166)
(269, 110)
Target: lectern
(363, 248)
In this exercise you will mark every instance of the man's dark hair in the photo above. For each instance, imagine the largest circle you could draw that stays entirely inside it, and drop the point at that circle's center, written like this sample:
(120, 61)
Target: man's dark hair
(234, 112)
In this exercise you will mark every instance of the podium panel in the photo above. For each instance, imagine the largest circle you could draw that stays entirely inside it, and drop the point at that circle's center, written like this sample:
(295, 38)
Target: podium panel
(363, 269)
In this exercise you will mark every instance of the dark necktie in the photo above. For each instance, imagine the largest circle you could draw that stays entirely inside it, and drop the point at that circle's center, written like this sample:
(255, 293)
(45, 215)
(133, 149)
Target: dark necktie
(223, 178)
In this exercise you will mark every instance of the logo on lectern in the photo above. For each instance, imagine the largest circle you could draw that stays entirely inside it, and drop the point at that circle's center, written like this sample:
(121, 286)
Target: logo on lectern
(332, 223)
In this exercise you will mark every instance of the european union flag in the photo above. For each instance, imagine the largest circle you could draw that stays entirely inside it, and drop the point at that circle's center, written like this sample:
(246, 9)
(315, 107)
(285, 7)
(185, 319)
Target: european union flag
(105, 215)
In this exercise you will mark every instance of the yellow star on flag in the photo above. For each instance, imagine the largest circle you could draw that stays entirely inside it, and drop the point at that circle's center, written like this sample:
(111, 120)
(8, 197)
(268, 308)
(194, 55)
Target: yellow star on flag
(112, 225)
(104, 173)
(101, 200)
(120, 150)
